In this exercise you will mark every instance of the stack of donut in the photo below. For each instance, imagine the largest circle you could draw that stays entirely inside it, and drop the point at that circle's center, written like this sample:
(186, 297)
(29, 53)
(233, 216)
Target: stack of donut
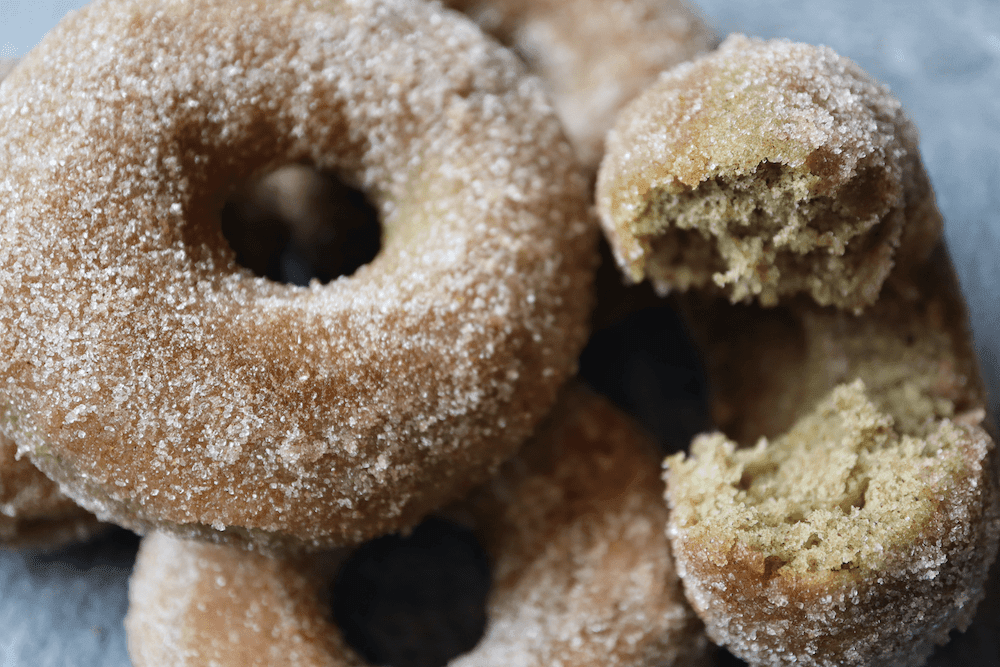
(846, 511)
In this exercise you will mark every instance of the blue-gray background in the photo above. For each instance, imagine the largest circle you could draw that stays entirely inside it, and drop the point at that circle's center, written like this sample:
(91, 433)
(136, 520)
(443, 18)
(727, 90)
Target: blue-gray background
(942, 59)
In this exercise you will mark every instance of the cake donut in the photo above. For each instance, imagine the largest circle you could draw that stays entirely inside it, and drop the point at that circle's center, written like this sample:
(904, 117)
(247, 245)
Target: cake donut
(573, 525)
(594, 55)
(162, 385)
(848, 514)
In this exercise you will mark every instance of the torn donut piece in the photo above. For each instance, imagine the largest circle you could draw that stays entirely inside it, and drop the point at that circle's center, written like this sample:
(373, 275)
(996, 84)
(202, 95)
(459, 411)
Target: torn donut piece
(841, 542)
(766, 169)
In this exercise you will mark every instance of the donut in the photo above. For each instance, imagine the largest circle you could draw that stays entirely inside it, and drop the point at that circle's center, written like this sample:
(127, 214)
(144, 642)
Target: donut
(594, 55)
(847, 513)
(162, 385)
(807, 197)
(573, 526)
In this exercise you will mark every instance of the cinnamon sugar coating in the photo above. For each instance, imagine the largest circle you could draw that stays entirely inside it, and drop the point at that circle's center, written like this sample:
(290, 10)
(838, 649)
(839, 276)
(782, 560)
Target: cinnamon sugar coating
(594, 55)
(33, 512)
(765, 169)
(907, 390)
(842, 542)
(164, 386)
(860, 527)
(582, 573)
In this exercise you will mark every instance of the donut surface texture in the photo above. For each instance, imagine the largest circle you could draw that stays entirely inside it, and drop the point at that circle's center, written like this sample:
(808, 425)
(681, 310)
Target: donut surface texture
(857, 523)
(582, 573)
(764, 169)
(33, 512)
(162, 385)
(594, 55)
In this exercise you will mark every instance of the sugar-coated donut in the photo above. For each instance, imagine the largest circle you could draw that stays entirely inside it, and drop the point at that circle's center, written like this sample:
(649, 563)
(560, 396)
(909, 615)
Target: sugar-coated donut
(162, 385)
(582, 573)
(765, 169)
(860, 527)
(594, 55)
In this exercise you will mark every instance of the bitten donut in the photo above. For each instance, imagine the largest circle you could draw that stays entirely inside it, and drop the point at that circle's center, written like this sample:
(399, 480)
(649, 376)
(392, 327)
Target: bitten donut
(763, 170)
(845, 541)
(582, 573)
(860, 527)
(162, 385)
(594, 55)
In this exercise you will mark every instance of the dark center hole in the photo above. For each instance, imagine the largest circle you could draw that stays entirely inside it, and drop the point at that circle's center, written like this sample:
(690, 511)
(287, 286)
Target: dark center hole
(296, 224)
(414, 601)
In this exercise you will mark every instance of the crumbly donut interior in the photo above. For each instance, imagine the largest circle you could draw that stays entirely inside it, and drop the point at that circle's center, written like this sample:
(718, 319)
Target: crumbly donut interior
(753, 233)
(842, 490)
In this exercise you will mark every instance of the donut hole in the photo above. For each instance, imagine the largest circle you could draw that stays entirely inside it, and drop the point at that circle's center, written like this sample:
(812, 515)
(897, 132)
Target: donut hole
(414, 601)
(297, 224)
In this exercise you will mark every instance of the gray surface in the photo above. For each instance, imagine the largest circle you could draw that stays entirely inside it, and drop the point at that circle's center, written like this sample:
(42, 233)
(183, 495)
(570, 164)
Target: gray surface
(941, 58)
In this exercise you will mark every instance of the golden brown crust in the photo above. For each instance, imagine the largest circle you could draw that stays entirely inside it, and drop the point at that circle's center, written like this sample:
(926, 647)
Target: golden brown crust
(594, 55)
(763, 169)
(162, 385)
(581, 569)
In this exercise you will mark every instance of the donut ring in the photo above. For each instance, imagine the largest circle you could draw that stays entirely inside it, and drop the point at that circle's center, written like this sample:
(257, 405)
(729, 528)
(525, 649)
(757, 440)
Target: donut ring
(863, 533)
(573, 526)
(161, 385)
(594, 55)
